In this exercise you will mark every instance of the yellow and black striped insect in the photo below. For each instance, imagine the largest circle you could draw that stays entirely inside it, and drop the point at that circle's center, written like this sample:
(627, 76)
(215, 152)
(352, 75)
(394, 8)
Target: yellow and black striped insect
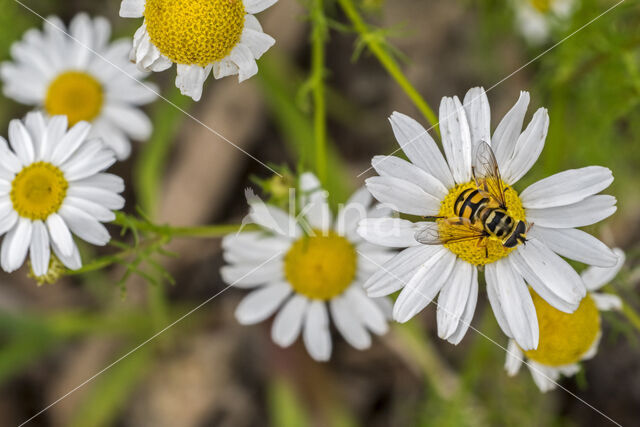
(481, 211)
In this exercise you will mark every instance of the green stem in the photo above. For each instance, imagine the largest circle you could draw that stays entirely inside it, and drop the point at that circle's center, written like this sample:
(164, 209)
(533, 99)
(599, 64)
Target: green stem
(388, 62)
(318, 38)
(631, 314)
(168, 231)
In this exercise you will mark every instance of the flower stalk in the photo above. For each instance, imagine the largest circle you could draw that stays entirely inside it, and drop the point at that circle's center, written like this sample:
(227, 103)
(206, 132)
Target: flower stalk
(318, 40)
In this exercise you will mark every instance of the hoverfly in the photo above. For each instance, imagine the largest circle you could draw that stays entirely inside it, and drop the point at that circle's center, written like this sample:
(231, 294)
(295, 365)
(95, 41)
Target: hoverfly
(481, 212)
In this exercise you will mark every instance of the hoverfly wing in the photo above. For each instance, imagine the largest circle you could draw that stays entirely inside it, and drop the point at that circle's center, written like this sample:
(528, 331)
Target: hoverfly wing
(487, 174)
(449, 230)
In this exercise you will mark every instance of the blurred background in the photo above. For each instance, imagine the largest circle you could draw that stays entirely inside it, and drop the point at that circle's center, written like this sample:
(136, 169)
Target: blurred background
(208, 370)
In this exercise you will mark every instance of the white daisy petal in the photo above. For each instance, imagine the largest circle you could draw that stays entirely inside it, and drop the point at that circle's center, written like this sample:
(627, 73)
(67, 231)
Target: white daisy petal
(566, 188)
(253, 246)
(84, 225)
(316, 332)
(403, 196)
(8, 160)
(506, 134)
(399, 168)
(586, 212)
(70, 143)
(576, 245)
(288, 322)
(398, 271)
(467, 315)
(262, 303)
(367, 310)
(131, 120)
(476, 106)
(596, 277)
(252, 274)
(71, 261)
(456, 138)
(513, 303)
(37, 127)
(257, 41)
(191, 78)
(454, 297)
(348, 324)
(274, 219)
(96, 210)
(39, 249)
(606, 302)
(545, 377)
(353, 211)
(420, 148)
(242, 56)
(21, 142)
(389, 232)
(60, 235)
(15, 245)
(424, 285)
(257, 6)
(514, 358)
(93, 157)
(132, 8)
(549, 275)
(528, 148)
(7, 221)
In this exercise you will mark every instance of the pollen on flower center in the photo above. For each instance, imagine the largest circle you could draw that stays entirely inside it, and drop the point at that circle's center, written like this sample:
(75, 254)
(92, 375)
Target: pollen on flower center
(195, 32)
(38, 190)
(470, 250)
(564, 338)
(542, 6)
(321, 267)
(76, 95)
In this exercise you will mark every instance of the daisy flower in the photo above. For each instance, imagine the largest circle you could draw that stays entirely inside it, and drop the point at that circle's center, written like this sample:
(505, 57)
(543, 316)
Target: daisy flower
(200, 36)
(68, 76)
(429, 185)
(306, 268)
(567, 339)
(52, 185)
(535, 18)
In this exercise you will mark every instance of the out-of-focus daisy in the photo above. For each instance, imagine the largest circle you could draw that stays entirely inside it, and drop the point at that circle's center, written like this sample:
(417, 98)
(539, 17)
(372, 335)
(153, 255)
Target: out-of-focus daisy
(200, 36)
(315, 267)
(567, 339)
(427, 185)
(64, 76)
(535, 18)
(52, 184)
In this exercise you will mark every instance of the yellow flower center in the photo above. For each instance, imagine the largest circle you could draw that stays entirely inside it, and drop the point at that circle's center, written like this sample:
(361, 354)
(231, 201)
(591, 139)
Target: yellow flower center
(542, 6)
(491, 249)
(321, 267)
(76, 95)
(195, 31)
(564, 338)
(38, 190)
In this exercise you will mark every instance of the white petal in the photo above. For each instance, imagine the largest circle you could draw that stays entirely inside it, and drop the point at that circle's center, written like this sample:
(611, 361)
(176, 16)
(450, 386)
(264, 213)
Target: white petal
(257, 41)
(389, 232)
(37, 127)
(589, 211)
(92, 158)
(104, 181)
(132, 8)
(514, 358)
(84, 226)
(528, 148)
(506, 134)
(398, 271)
(317, 211)
(131, 120)
(606, 302)
(256, 6)
(456, 138)
(252, 274)
(242, 56)
(274, 219)
(420, 148)
(316, 334)
(241, 248)
(399, 168)
(21, 142)
(72, 140)
(469, 310)
(596, 277)
(8, 160)
(8, 220)
(354, 210)
(56, 130)
(348, 324)
(549, 275)
(288, 322)
(81, 30)
(262, 303)
(576, 245)
(60, 234)
(72, 261)
(15, 245)
(515, 303)
(565, 188)
(190, 80)
(96, 210)
(545, 377)
(454, 297)
(367, 310)
(476, 106)
(424, 285)
(39, 249)
(403, 196)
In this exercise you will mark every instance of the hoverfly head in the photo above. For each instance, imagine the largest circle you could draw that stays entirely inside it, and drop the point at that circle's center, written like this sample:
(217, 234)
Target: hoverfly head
(518, 236)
